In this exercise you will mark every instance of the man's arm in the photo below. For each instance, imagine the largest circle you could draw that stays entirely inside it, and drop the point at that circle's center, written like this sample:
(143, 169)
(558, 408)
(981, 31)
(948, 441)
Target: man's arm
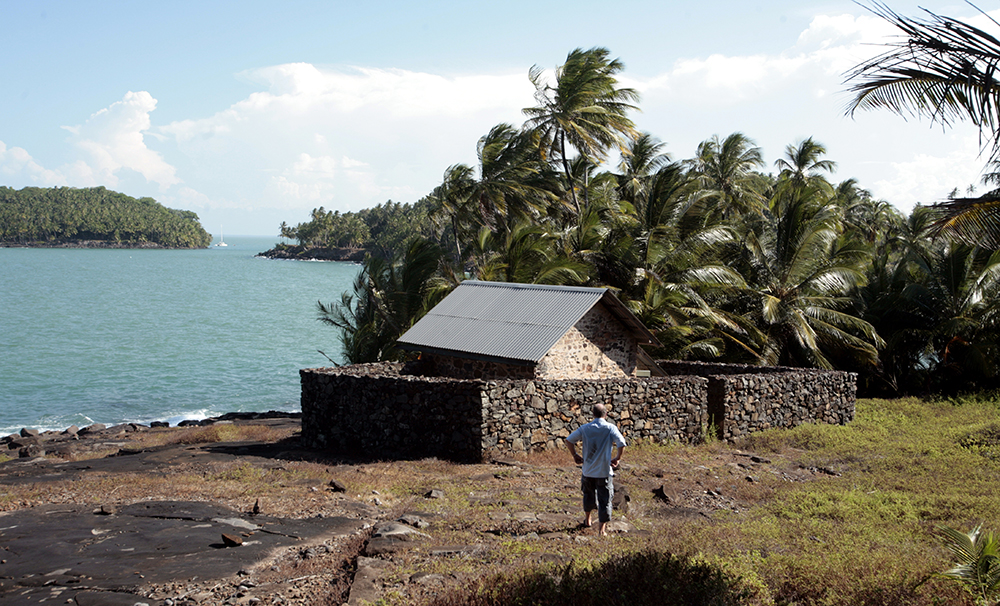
(572, 448)
(614, 461)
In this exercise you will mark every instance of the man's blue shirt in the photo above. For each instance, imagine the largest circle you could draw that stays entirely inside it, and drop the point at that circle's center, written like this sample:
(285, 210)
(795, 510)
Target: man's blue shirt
(598, 437)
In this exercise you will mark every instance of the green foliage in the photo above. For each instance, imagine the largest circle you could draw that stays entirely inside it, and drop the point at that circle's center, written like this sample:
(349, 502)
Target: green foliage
(63, 214)
(977, 562)
(862, 533)
(645, 577)
(384, 229)
(719, 260)
(389, 296)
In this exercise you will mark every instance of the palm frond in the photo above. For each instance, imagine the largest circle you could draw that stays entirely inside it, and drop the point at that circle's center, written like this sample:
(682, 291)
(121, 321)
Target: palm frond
(940, 68)
(973, 220)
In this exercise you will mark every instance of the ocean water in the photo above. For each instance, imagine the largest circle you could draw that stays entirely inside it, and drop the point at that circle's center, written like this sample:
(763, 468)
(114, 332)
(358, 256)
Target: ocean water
(112, 336)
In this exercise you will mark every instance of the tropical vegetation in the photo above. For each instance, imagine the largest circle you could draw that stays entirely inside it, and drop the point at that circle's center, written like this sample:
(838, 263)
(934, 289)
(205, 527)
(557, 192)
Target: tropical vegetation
(722, 256)
(977, 562)
(59, 215)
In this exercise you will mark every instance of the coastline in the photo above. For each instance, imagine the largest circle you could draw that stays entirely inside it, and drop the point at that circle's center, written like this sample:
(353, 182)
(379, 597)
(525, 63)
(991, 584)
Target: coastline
(296, 252)
(95, 244)
(181, 419)
(129, 427)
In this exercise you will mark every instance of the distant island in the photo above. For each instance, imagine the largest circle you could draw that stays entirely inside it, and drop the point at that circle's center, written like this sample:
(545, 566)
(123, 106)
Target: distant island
(94, 217)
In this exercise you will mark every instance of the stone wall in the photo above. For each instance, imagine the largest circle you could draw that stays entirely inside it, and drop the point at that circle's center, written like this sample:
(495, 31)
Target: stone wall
(533, 415)
(379, 410)
(598, 346)
(437, 365)
(743, 399)
(370, 410)
(707, 369)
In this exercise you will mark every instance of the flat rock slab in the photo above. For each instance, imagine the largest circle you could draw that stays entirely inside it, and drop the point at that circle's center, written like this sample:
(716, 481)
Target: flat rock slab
(55, 546)
(39, 469)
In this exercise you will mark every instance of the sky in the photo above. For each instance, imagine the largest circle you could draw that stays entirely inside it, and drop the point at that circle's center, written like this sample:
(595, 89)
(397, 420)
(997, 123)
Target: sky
(253, 113)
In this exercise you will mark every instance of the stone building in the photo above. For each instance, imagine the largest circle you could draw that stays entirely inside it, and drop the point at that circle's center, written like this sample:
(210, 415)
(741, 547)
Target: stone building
(499, 330)
(511, 368)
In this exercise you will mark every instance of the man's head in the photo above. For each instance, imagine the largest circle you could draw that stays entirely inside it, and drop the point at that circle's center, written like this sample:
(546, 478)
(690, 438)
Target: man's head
(600, 411)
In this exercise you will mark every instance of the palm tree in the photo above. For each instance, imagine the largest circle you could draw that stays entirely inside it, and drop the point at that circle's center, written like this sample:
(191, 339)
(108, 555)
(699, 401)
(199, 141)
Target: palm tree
(452, 201)
(512, 183)
(885, 300)
(643, 157)
(941, 68)
(664, 256)
(527, 254)
(802, 163)
(937, 301)
(975, 221)
(585, 109)
(389, 296)
(799, 272)
(977, 562)
(956, 295)
(946, 70)
(727, 170)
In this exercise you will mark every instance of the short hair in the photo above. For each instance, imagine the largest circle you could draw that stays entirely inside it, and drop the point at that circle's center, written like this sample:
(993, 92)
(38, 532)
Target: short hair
(600, 411)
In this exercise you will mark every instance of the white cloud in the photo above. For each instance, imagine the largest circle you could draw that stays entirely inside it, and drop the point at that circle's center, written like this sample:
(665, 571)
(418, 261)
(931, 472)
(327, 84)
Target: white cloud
(16, 164)
(316, 180)
(828, 47)
(188, 198)
(344, 138)
(112, 140)
(926, 179)
(349, 138)
(298, 91)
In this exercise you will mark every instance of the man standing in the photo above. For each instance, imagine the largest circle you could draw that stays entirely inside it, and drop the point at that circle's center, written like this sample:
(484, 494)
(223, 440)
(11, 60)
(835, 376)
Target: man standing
(598, 438)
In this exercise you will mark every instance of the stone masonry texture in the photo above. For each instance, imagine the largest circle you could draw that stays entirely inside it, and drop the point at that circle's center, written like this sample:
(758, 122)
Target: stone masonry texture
(380, 410)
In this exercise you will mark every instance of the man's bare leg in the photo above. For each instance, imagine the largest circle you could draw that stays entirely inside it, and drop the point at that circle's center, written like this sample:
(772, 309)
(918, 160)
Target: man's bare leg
(589, 520)
(601, 530)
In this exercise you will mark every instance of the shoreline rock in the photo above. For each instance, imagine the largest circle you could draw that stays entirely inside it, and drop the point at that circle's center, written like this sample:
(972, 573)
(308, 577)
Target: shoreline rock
(31, 442)
(304, 253)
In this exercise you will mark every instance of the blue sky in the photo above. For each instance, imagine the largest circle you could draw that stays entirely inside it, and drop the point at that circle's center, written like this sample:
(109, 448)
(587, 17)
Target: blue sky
(254, 113)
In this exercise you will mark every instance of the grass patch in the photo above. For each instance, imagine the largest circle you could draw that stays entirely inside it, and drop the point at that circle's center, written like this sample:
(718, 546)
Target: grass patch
(839, 515)
(224, 432)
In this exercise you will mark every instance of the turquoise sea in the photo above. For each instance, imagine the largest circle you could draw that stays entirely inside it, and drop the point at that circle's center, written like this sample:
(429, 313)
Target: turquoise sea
(111, 336)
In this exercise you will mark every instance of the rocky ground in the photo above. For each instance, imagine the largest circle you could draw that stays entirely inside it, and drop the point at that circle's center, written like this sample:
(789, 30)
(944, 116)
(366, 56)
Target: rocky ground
(235, 512)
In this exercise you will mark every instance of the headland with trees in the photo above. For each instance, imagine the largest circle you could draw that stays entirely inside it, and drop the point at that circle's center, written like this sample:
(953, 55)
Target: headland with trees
(94, 217)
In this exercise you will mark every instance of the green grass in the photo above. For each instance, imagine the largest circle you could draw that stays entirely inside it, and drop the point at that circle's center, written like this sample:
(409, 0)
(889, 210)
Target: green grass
(866, 536)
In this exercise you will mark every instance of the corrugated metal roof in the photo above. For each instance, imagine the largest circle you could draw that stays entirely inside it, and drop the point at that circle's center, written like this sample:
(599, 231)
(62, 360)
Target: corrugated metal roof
(510, 322)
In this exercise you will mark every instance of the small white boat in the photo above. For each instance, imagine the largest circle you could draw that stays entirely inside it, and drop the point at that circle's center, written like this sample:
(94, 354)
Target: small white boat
(222, 239)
